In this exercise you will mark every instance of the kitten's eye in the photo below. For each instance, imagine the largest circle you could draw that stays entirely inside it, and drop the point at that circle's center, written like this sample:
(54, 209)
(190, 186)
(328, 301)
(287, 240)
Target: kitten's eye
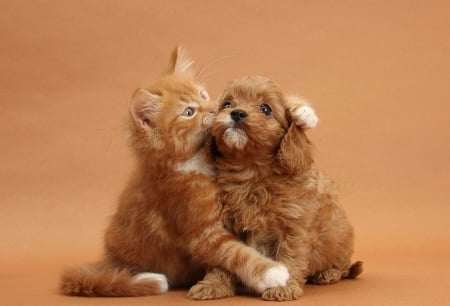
(188, 112)
(227, 104)
(204, 94)
(267, 111)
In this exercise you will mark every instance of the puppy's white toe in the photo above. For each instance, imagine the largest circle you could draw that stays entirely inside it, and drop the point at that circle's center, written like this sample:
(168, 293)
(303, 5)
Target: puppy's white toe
(305, 117)
(275, 277)
(160, 278)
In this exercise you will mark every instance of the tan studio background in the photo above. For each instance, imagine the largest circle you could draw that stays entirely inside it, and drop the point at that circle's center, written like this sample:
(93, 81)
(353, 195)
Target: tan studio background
(377, 72)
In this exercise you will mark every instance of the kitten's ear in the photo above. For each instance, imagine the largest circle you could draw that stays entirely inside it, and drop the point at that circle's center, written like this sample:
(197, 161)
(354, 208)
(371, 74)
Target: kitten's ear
(143, 108)
(295, 152)
(180, 62)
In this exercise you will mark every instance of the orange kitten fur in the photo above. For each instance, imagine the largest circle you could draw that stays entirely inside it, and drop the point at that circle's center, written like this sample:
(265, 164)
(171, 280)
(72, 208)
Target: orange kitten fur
(168, 227)
(274, 197)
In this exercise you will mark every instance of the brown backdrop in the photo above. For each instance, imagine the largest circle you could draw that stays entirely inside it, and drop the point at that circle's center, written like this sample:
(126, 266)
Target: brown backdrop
(377, 72)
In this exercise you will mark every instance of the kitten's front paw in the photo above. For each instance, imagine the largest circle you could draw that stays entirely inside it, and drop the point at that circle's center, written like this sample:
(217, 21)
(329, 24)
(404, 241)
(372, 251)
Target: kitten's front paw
(207, 290)
(274, 277)
(288, 293)
(305, 117)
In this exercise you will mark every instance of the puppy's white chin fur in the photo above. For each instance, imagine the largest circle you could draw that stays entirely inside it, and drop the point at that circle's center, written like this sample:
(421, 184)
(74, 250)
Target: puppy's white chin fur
(235, 138)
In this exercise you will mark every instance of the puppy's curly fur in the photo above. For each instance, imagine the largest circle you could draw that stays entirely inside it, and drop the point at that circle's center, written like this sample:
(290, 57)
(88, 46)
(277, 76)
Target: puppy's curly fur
(274, 197)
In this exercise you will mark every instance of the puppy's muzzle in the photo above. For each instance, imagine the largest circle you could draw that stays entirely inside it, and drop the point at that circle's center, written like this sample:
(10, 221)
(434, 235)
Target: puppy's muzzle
(238, 115)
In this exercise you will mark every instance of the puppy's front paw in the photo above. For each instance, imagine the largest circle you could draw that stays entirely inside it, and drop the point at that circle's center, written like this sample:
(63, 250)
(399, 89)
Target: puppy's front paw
(209, 290)
(288, 293)
(274, 277)
(305, 117)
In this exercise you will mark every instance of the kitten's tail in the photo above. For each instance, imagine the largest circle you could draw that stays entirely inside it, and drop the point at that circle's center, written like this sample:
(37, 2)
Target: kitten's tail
(101, 280)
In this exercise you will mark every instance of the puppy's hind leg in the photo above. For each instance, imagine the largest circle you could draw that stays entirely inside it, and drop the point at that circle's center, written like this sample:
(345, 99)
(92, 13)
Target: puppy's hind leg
(326, 277)
(333, 275)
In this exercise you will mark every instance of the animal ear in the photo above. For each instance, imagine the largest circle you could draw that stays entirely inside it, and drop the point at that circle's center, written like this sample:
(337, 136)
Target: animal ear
(144, 107)
(180, 62)
(295, 152)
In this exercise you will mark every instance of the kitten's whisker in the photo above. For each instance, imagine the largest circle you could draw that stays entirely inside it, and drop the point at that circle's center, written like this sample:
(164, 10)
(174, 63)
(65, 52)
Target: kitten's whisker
(213, 62)
(208, 75)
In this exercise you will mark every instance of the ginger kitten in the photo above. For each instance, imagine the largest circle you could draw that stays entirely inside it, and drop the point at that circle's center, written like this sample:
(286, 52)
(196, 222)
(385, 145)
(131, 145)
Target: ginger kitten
(168, 227)
(274, 198)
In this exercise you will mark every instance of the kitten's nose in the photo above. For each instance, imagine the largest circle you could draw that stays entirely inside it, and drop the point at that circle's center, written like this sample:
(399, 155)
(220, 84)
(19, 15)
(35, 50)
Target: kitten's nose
(238, 114)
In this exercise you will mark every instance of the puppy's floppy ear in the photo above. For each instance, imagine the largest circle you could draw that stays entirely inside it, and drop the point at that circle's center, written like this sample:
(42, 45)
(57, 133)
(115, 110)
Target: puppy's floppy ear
(180, 62)
(295, 152)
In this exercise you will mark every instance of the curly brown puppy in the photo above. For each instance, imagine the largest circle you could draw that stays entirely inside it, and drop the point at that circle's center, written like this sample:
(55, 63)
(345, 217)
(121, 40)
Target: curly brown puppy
(274, 197)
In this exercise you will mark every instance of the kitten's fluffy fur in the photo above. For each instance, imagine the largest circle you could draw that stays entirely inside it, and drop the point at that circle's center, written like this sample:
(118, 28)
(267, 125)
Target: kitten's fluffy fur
(274, 197)
(167, 227)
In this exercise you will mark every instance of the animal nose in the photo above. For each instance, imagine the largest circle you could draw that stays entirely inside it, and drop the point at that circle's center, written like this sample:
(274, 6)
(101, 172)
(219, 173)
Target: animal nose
(238, 114)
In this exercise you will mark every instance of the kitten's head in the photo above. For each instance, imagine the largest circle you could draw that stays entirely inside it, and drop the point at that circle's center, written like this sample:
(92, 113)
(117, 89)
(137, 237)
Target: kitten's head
(174, 114)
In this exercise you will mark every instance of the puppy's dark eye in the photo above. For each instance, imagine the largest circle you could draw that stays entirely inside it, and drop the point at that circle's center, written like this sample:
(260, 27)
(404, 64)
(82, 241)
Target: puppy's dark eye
(227, 104)
(267, 111)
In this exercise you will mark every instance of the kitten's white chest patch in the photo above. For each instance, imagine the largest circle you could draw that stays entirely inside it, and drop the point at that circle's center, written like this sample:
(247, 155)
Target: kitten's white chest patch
(197, 164)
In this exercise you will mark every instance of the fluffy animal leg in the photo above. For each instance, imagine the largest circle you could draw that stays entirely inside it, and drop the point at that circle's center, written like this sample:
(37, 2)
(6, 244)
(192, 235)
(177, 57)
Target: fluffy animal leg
(253, 269)
(293, 256)
(217, 284)
(333, 275)
(292, 291)
(326, 277)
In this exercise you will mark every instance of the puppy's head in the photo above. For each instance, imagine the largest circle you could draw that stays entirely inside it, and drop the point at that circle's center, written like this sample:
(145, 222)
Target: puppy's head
(251, 118)
(253, 124)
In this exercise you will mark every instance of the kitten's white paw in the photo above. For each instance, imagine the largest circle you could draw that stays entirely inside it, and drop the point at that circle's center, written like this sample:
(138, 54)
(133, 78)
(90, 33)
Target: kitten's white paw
(305, 117)
(274, 277)
(160, 278)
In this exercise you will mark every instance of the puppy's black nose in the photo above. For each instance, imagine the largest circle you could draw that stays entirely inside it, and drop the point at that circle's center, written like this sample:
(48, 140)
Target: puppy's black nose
(238, 114)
